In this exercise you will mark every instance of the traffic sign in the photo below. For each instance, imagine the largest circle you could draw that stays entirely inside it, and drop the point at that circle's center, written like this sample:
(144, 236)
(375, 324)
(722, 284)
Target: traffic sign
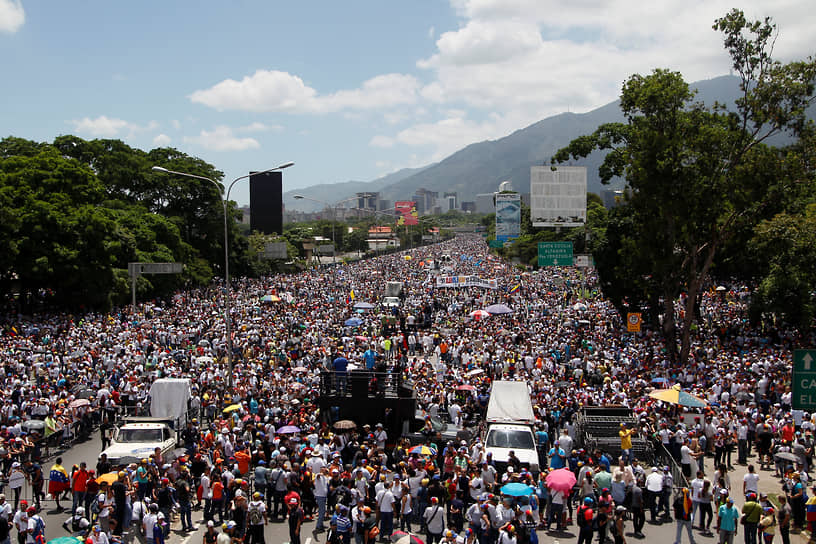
(555, 254)
(495, 243)
(804, 379)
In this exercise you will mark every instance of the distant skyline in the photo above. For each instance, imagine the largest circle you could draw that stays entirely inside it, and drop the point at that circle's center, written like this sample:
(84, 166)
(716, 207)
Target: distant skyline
(348, 91)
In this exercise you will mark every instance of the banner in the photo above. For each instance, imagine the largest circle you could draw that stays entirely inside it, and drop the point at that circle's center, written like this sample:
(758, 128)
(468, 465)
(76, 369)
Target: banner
(466, 281)
(633, 322)
(406, 212)
(508, 216)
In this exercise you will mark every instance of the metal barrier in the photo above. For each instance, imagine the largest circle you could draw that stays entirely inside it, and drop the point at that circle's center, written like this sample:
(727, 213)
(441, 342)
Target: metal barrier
(360, 383)
(666, 458)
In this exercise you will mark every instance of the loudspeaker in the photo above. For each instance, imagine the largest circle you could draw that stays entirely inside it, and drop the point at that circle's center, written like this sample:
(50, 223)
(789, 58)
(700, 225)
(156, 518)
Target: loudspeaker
(266, 202)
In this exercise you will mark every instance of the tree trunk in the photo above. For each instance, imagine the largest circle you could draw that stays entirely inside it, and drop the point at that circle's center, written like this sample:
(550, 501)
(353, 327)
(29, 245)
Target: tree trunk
(694, 283)
(670, 327)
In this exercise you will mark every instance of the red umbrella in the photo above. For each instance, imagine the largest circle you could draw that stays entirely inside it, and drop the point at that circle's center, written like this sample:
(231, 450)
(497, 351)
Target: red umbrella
(479, 314)
(561, 480)
(465, 387)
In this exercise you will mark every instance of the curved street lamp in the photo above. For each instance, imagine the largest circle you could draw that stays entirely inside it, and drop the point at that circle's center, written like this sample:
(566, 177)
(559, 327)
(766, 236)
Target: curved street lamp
(224, 200)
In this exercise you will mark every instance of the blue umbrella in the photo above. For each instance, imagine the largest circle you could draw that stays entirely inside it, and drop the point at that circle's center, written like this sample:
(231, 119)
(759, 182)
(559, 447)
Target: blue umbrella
(659, 380)
(353, 322)
(363, 306)
(517, 489)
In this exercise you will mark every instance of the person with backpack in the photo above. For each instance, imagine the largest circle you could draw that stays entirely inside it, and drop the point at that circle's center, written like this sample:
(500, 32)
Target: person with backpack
(36, 527)
(585, 517)
(257, 519)
(434, 518)
(616, 527)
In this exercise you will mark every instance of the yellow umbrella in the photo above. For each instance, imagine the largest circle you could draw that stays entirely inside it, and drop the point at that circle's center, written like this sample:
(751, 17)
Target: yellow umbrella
(108, 478)
(676, 396)
(408, 257)
(231, 408)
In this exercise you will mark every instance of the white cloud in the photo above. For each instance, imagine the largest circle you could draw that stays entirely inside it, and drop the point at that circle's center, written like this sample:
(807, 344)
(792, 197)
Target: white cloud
(432, 32)
(258, 127)
(222, 138)
(161, 140)
(283, 92)
(176, 124)
(381, 141)
(12, 15)
(109, 127)
(103, 126)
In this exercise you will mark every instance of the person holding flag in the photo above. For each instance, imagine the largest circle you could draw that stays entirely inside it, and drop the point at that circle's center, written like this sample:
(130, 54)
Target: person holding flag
(58, 482)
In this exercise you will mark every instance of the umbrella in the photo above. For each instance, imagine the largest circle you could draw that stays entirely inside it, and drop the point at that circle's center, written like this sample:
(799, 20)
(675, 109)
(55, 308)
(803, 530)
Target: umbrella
(270, 298)
(499, 309)
(676, 396)
(787, 456)
(204, 343)
(517, 489)
(465, 387)
(86, 394)
(65, 540)
(108, 478)
(721, 288)
(353, 322)
(300, 369)
(562, 479)
(579, 306)
(78, 403)
(297, 385)
(659, 380)
(363, 306)
(399, 537)
(231, 408)
(345, 425)
(422, 450)
(288, 429)
(479, 314)
(474, 372)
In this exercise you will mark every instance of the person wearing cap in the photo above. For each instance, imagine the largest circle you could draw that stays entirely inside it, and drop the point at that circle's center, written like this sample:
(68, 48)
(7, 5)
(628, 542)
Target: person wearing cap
(434, 518)
(256, 519)
(16, 480)
(210, 535)
(727, 516)
(163, 496)
(149, 523)
(585, 517)
(752, 513)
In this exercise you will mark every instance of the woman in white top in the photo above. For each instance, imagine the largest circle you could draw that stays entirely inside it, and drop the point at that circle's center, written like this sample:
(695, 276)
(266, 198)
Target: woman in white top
(406, 509)
(16, 480)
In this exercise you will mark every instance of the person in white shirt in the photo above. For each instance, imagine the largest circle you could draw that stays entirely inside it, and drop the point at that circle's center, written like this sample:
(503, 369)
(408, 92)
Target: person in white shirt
(385, 506)
(750, 482)
(434, 517)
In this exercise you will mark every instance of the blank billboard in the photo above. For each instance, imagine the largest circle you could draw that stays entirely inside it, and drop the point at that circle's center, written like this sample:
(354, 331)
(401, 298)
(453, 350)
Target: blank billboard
(558, 196)
(266, 202)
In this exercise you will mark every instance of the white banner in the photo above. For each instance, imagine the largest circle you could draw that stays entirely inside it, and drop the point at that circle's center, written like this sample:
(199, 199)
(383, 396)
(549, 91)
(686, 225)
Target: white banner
(466, 281)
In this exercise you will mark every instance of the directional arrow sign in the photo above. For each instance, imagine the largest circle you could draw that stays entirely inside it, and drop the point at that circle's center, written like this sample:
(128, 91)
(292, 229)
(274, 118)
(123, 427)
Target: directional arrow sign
(804, 380)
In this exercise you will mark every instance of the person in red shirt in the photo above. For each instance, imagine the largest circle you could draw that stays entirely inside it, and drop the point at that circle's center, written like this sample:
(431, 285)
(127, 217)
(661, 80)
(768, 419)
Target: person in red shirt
(79, 486)
(291, 495)
(788, 431)
(243, 458)
(218, 497)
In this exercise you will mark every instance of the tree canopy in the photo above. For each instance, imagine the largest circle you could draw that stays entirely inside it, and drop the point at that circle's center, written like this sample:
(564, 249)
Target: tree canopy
(697, 173)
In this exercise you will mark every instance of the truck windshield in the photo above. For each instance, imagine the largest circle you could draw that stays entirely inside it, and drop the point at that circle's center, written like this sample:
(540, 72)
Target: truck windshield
(139, 435)
(521, 440)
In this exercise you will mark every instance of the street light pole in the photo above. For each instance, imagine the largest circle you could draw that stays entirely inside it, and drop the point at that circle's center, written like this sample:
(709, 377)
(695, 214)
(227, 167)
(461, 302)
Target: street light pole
(224, 200)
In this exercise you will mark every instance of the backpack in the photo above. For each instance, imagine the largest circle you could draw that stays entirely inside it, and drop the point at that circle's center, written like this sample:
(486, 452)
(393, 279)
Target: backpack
(255, 516)
(581, 515)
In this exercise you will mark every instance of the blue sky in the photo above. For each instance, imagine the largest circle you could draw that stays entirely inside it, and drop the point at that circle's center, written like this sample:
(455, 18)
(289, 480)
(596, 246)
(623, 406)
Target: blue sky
(348, 90)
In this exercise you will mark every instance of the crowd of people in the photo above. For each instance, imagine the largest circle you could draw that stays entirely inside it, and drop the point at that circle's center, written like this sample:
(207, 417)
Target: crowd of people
(66, 375)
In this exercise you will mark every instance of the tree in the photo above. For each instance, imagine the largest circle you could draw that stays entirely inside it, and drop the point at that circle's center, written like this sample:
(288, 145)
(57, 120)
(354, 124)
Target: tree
(689, 166)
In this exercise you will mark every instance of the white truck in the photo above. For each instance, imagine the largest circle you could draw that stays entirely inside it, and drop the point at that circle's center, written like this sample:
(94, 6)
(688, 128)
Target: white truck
(510, 421)
(138, 438)
(393, 292)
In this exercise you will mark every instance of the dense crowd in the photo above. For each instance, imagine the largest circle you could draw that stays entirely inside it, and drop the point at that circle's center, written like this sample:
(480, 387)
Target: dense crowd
(66, 376)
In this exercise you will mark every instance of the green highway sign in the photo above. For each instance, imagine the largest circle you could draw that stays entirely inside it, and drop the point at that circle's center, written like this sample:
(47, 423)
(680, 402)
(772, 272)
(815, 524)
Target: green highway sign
(555, 254)
(495, 243)
(804, 379)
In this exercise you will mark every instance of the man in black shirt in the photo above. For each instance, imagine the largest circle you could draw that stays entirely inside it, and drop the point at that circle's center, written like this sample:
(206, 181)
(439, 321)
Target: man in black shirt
(119, 491)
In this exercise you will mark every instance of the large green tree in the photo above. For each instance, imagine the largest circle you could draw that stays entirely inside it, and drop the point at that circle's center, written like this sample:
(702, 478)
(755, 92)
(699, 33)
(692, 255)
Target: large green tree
(692, 168)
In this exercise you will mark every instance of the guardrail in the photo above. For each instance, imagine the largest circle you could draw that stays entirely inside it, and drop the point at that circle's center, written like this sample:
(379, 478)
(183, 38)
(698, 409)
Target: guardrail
(666, 458)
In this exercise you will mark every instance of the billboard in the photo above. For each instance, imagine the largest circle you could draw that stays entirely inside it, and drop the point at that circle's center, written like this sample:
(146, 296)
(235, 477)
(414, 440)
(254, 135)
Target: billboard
(508, 216)
(406, 212)
(558, 196)
(266, 202)
(275, 250)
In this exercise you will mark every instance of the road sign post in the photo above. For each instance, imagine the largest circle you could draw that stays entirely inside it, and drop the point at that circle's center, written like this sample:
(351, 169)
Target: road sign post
(137, 269)
(555, 254)
(804, 379)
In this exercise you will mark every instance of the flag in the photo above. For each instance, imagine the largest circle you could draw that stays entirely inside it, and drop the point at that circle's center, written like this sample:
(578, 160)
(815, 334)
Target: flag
(351, 295)
(516, 288)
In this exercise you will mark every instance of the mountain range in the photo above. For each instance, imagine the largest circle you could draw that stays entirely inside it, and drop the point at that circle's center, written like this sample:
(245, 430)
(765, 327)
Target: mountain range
(480, 167)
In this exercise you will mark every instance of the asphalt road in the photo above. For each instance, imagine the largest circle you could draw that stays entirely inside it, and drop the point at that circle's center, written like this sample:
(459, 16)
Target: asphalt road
(277, 533)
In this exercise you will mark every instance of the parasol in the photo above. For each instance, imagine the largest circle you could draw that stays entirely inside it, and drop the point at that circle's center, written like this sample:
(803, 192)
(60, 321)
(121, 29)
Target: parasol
(499, 309)
(677, 396)
(78, 403)
(422, 449)
(231, 408)
(345, 425)
(465, 387)
(517, 489)
(288, 429)
(562, 479)
(479, 314)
